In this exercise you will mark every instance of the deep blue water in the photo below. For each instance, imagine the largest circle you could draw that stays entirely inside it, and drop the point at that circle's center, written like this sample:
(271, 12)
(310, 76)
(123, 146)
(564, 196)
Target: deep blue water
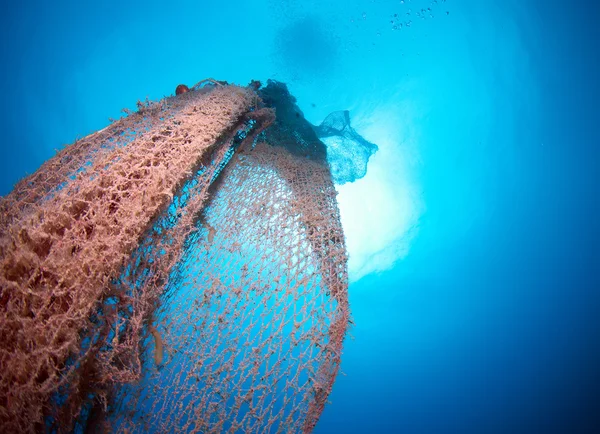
(473, 237)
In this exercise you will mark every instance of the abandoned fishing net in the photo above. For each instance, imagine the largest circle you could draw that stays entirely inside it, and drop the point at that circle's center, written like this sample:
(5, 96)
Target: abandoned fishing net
(182, 270)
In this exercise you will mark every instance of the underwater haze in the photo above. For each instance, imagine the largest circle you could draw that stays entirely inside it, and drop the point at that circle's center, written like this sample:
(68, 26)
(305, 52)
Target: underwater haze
(473, 236)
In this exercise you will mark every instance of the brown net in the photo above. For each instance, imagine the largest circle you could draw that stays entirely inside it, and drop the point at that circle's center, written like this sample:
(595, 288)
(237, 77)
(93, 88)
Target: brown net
(169, 273)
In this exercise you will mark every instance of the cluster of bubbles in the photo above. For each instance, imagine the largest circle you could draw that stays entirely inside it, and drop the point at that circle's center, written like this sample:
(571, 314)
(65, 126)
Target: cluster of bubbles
(400, 20)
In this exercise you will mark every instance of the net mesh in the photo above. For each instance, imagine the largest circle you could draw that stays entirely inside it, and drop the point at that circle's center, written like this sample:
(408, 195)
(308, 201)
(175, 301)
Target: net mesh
(183, 269)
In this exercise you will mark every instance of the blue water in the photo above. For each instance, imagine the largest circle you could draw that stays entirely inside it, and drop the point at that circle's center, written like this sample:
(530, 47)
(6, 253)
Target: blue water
(474, 235)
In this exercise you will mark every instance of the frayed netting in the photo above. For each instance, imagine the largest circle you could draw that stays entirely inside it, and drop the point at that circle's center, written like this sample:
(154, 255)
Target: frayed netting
(172, 276)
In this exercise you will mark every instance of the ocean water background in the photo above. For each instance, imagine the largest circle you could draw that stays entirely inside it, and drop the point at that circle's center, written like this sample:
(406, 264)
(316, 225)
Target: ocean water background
(474, 235)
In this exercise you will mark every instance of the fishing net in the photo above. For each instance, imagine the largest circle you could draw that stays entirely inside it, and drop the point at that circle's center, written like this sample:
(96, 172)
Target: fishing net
(182, 270)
